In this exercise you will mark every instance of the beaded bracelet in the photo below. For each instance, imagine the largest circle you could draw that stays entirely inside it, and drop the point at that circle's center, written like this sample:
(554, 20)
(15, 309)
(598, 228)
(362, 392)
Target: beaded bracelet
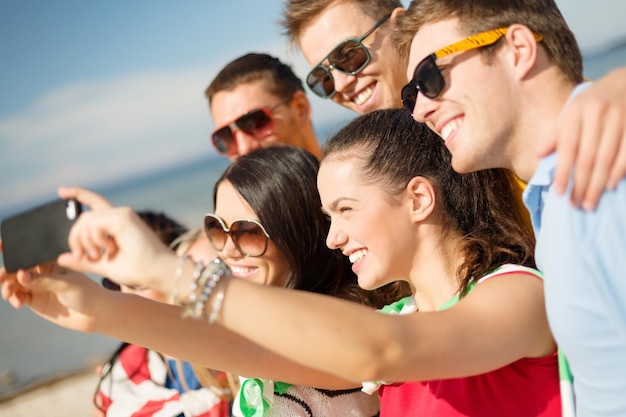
(206, 283)
(218, 300)
(202, 286)
(195, 282)
(194, 286)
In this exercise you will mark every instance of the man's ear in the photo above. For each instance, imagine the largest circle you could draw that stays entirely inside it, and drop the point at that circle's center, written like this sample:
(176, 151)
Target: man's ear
(301, 104)
(422, 198)
(524, 49)
(394, 15)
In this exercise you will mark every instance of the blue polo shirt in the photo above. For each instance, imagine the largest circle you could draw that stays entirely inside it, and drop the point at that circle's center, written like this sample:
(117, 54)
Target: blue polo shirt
(583, 258)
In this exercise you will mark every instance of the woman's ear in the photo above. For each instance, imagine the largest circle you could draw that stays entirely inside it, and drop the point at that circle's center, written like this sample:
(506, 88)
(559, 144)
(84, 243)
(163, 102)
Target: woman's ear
(422, 198)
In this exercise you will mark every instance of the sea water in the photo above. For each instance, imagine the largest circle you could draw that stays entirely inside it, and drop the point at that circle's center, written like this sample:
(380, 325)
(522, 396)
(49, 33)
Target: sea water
(33, 350)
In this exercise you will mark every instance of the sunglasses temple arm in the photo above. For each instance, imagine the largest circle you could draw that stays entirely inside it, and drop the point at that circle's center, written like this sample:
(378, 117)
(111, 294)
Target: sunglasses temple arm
(376, 26)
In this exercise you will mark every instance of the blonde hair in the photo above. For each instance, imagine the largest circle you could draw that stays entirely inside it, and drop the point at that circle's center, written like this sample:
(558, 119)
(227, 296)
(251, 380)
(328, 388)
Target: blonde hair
(223, 384)
(298, 14)
(540, 16)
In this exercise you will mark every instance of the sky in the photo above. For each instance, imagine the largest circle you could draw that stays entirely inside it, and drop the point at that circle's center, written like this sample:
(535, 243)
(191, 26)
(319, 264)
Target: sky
(96, 92)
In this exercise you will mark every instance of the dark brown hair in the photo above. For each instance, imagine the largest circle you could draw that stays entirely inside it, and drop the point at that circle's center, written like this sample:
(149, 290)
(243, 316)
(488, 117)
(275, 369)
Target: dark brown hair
(280, 184)
(279, 78)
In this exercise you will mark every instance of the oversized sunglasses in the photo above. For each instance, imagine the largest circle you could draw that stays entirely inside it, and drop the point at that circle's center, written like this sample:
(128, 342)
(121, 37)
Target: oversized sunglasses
(258, 123)
(249, 236)
(349, 57)
(427, 78)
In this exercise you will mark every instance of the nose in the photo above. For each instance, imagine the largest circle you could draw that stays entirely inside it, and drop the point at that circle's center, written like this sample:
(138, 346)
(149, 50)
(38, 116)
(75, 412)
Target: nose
(244, 144)
(342, 80)
(229, 250)
(336, 238)
(424, 108)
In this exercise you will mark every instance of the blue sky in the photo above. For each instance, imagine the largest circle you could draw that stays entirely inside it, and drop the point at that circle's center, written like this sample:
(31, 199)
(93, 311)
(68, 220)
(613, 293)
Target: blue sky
(92, 92)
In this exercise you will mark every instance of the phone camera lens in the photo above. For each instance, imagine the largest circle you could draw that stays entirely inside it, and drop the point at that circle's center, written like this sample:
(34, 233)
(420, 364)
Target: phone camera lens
(70, 210)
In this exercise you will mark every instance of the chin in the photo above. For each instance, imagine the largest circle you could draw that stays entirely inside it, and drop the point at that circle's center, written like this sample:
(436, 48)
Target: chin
(367, 284)
(461, 167)
(352, 107)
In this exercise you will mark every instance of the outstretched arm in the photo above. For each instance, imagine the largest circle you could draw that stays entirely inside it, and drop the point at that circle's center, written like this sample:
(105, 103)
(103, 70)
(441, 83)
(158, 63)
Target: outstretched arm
(501, 321)
(114, 242)
(74, 301)
(591, 139)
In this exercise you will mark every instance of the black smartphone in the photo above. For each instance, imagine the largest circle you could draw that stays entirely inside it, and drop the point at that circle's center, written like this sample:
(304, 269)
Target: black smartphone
(38, 235)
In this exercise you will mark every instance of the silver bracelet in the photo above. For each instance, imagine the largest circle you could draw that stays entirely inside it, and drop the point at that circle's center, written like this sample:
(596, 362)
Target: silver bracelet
(218, 299)
(193, 288)
(209, 277)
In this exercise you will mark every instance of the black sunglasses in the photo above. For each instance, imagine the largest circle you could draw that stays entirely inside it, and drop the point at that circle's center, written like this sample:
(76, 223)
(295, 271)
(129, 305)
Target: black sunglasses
(427, 78)
(349, 57)
(249, 236)
(114, 286)
(258, 123)
(110, 285)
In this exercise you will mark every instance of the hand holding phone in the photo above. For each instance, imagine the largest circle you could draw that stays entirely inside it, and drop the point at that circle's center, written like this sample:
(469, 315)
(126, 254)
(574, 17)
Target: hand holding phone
(38, 235)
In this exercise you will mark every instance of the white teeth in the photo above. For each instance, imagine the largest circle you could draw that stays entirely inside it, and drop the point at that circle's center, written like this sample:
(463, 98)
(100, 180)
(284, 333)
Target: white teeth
(241, 270)
(363, 96)
(450, 127)
(357, 256)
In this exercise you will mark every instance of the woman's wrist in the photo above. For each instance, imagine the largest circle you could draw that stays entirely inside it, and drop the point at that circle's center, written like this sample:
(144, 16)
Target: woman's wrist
(161, 277)
(199, 287)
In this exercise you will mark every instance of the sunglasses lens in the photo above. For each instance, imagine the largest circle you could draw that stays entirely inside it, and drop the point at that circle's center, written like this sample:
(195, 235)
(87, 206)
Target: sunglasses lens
(409, 95)
(110, 285)
(428, 78)
(248, 237)
(215, 232)
(223, 139)
(257, 123)
(321, 82)
(350, 56)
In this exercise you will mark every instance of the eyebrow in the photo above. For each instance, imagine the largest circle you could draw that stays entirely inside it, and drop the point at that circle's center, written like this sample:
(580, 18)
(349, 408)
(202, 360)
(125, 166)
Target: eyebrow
(335, 203)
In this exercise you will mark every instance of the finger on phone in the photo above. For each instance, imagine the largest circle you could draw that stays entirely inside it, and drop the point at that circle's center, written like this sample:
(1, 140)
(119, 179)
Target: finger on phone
(89, 198)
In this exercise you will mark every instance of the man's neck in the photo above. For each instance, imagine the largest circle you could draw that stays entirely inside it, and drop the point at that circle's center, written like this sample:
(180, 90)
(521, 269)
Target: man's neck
(311, 143)
(537, 126)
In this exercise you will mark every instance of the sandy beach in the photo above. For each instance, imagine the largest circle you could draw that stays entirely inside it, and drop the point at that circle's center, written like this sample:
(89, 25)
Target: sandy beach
(66, 397)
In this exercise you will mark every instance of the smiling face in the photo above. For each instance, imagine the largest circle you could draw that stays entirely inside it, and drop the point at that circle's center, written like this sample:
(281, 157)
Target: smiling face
(201, 250)
(271, 268)
(228, 105)
(474, 112)
(378, 85)
(370, 227)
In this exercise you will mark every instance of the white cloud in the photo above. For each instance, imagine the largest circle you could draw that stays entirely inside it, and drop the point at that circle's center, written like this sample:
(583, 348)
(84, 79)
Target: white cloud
(99, 131)
(91, 132)
(104, 130)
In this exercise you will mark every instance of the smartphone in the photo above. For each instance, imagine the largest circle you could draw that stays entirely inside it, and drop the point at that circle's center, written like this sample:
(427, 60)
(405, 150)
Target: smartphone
(38, 235)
